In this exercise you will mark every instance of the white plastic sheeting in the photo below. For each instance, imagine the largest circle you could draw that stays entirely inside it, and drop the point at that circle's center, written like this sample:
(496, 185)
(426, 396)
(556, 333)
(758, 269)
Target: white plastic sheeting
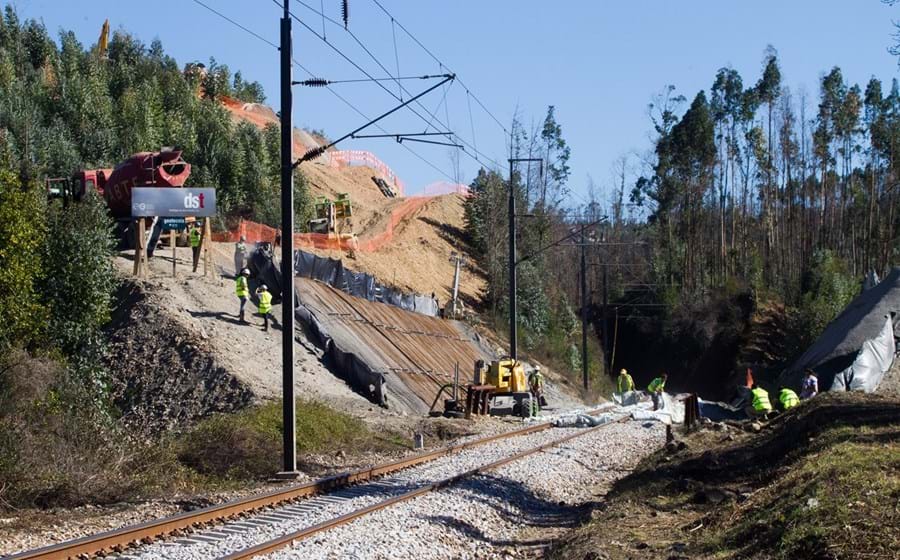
(582, 420)
(875, 358)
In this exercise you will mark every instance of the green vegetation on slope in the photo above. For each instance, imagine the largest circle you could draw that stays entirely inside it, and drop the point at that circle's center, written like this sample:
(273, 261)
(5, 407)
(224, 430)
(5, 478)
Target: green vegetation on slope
(64, 107)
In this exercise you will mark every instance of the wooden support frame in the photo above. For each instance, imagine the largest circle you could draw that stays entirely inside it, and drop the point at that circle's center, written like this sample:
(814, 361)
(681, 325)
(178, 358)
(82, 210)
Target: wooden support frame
(173, 243)
(140, 249)
(206, 247)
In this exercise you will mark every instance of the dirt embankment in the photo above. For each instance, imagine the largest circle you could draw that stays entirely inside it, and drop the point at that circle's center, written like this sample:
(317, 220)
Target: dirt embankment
(164, 376)
(418, 259)
(821, 481)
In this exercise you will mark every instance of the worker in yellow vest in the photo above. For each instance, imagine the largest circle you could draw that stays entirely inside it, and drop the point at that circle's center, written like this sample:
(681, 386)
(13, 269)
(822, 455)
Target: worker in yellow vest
(624, 383)
(759, 405)
(195, 244)
(265, 304)
(656, 388)
(242, 290)
(536, 384)
(788, 398)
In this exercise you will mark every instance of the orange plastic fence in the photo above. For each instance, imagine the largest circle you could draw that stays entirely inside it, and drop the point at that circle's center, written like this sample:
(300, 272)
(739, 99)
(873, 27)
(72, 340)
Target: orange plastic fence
(445, 187)
(255, 232)
(361, 157)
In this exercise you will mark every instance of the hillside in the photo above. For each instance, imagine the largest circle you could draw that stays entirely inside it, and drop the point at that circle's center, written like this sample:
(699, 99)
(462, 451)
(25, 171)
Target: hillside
(417, 257)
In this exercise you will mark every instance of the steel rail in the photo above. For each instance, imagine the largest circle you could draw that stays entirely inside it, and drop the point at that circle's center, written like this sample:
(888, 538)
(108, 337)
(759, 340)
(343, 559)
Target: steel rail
(118, 540)
(290, 538)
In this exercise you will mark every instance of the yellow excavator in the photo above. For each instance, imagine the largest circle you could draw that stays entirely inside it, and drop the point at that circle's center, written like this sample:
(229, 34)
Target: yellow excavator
(511, 394)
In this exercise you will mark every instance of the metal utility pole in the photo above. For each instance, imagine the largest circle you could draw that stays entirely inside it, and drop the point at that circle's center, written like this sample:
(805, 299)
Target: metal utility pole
(513, 341)
(458, 260)
(287, 252)
(584, 310)
(605, 314)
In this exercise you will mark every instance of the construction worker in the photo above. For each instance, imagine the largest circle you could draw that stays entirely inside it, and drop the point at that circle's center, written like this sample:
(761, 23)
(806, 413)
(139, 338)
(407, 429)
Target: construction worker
(242, 289)
(788, 398)
(625, 383)
(760, 406)
(240, 256)
(195, 244)
(265, 304)
(810, 386)
(656, 388)
(536, 383)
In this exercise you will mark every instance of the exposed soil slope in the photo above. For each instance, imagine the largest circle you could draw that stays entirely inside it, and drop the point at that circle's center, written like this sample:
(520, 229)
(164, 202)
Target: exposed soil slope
(205, 309)
(419, 258)
(165, 376)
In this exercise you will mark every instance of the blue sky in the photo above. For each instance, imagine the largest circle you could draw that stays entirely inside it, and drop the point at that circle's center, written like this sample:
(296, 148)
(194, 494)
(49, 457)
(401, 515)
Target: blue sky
(598, 62)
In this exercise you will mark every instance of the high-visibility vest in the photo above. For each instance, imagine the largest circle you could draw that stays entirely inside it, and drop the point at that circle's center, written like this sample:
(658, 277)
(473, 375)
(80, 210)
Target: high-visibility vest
(265, 302)
(240, 286)
(195, 237)
(656, 385)
(788, 398)
(537, 380)
(761, 400)
(626, 383)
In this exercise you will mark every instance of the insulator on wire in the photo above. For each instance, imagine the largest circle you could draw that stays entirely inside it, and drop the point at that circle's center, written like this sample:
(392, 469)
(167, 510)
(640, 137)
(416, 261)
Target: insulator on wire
(345, 12)
(315, 82)
(313, 153)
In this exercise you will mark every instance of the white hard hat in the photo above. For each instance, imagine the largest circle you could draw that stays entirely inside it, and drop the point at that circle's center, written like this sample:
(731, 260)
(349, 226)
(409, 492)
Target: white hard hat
(263, 287)
(245, 272)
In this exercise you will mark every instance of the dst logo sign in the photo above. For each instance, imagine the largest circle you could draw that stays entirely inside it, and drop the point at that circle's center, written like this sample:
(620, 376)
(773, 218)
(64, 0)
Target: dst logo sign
(172, 202)
(194, 201)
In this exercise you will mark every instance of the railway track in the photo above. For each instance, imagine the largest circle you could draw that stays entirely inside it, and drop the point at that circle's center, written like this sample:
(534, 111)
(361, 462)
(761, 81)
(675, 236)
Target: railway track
(291, 538)
(265, 509)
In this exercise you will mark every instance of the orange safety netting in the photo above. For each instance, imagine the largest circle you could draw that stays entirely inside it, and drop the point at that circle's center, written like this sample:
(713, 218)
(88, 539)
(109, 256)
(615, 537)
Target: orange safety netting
(445, 187)
(254, 232)
(339, 158)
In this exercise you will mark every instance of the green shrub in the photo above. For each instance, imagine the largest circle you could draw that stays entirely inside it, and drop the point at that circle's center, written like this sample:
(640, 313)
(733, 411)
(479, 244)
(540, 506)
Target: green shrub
(828, 288)
(79, 277)
(247, 444)
(22, 234)
(57, 449)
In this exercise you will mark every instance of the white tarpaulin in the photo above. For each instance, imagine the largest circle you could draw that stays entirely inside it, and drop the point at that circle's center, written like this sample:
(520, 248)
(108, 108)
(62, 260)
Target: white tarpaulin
(874, 359)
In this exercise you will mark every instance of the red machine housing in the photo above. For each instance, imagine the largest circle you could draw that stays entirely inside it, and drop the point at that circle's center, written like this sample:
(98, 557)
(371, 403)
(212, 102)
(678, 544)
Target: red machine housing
(165, 168)
(145, 169)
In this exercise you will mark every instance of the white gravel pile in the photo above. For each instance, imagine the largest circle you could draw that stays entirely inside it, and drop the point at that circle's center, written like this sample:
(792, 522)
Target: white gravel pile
(275, 522)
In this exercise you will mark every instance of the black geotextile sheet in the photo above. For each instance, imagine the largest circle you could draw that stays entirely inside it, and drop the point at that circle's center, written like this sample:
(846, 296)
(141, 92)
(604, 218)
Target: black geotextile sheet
(360, 284)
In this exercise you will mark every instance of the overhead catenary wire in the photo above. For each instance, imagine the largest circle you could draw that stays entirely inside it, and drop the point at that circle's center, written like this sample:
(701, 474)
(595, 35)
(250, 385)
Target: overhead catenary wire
(311, 74)
(475, 155)
(235, 23)
(396, 53)
(471, 120)
(436, 59)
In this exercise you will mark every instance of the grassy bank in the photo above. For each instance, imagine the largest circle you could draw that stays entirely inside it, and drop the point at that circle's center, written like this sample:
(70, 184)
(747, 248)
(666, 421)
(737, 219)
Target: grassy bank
(247, 445)
(52, 457)
(820, 482)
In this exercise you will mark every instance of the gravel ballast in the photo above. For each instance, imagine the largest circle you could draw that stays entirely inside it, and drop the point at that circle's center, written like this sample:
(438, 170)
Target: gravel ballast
(480, 517)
